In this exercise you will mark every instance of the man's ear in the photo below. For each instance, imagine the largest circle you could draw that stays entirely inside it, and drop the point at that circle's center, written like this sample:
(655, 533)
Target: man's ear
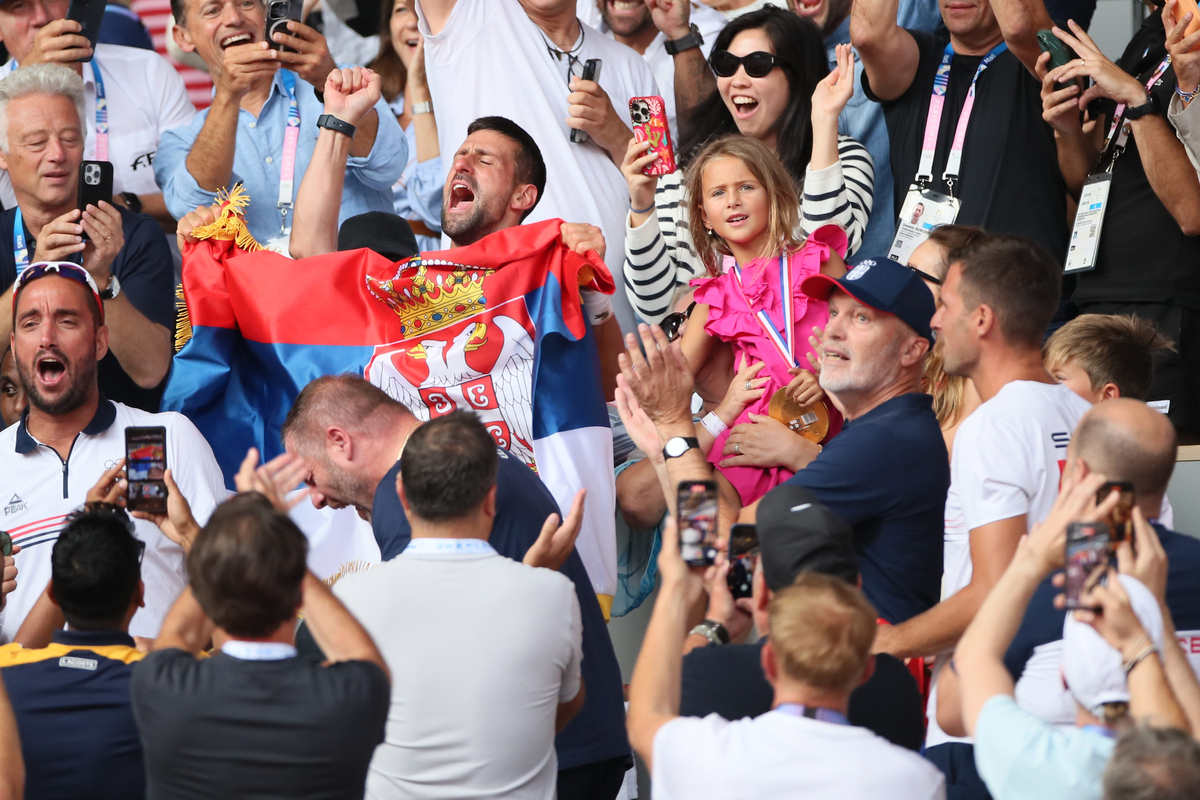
(400, 492)
(338, 444)
(183, 38)
(139, 594)
(101, 342)
(524, 198)
(489, 503)
(868, 670)
(3, 160)
(983, 319)
(1110, 392)
(50, 592)
(914, 352)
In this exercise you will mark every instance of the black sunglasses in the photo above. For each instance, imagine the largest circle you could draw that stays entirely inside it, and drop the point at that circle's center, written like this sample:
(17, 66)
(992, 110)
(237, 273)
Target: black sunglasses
(925, 276)
(758, 64)
(671, 323)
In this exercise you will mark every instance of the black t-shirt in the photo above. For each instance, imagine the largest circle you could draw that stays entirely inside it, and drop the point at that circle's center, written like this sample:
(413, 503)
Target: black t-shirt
(523, 502)
(728, 680)
(224, 727)
(147, 277)
(887, 474)
(1009, 181)
(1143, 254)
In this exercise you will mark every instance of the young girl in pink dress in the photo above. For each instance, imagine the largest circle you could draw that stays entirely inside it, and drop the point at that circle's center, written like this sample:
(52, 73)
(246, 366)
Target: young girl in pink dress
(742, 208)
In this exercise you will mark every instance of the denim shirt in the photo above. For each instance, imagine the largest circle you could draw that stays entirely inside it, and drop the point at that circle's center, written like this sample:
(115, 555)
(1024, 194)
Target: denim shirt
(257, 158)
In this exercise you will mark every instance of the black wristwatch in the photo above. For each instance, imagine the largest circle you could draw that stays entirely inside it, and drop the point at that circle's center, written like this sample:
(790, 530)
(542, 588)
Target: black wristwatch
(693, 39)
(336, 125)
(1137, 112)
(132, 202)
(678, 445)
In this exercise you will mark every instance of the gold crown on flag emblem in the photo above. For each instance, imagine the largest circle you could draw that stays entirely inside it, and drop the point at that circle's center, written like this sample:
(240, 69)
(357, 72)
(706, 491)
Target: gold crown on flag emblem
(430, 302)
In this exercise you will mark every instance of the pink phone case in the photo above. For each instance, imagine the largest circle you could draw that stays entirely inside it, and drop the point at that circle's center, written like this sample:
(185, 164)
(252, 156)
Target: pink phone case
(650, 124)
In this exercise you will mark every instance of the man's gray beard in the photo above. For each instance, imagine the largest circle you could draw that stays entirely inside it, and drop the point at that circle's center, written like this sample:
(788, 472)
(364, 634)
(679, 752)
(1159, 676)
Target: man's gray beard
(72, 399)
(881, 370)
(350, 489)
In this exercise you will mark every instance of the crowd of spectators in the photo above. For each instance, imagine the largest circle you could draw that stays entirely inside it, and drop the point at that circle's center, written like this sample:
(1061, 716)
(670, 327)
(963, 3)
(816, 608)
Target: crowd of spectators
(885, 326)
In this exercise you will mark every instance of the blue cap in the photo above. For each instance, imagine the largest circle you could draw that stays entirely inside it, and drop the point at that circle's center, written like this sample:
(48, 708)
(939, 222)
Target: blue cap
(884, 285)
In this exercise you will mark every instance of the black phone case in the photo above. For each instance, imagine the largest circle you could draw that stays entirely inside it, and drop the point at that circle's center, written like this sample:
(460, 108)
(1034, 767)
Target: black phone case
(278, 22)
(591, 72)
(95, 184)
(89, 14)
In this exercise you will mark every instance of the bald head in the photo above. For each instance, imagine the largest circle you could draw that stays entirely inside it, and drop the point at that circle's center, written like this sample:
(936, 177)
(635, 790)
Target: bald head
(1126, 440)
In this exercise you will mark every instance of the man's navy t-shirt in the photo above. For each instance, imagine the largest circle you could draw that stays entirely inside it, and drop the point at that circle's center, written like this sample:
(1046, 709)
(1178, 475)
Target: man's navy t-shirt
(887, 474)
(597, 733)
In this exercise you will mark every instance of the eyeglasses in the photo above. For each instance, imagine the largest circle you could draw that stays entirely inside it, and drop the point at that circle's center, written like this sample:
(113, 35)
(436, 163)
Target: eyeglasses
(63, 269)
(671, 323)
(925, 276)
(758, 64)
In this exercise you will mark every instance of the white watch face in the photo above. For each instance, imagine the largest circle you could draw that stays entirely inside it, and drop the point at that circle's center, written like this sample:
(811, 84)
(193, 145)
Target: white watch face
(676, 447)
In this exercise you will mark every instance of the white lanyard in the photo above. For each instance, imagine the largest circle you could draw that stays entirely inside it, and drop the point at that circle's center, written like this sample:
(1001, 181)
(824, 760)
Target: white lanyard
(933, 122)
(788, 350)
(291, 140)
(1119, 113)
(258, 651)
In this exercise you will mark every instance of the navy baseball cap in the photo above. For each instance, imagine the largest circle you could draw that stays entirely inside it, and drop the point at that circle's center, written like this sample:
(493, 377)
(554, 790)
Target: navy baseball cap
(797, 534)
(884, 285)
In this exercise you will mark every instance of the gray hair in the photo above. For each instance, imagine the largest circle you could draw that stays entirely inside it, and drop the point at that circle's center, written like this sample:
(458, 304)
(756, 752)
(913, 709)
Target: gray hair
(39, 79)
(1153, 764)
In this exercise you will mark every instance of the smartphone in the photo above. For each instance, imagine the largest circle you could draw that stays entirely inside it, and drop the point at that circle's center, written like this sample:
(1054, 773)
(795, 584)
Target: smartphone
(278, 14)
(649, 118)
(90, 15)
(1183, 8)
(1120, 519)
(145, 465)
(1059, 52)
(95, 184)
(1086, 558)
(5, 543)
(591, 72)
(743, 545)
(697, 505)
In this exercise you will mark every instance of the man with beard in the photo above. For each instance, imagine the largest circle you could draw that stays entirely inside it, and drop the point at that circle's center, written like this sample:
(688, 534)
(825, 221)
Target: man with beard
(71, 434)
(887, 472)
(350, 436)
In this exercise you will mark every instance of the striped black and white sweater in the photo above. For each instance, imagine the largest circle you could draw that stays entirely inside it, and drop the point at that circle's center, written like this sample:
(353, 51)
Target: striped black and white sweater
(659, 254)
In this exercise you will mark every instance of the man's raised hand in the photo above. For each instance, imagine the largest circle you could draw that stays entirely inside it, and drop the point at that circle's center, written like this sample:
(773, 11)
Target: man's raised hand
(273, 480)
(555, 543)
(350, 94)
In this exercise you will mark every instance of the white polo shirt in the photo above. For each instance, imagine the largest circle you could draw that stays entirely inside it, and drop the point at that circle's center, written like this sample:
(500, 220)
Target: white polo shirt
(482, 649)
(39, 490)
(145, 97)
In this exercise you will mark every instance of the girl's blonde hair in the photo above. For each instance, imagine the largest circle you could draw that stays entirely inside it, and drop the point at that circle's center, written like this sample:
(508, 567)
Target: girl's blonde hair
(947, 390)
(784, 225)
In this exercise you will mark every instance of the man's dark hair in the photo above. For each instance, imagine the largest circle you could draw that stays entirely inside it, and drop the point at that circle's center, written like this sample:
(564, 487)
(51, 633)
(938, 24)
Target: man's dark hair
(1153, 764)
(1017, 278)
(179, 11)
(449, 465)
(247, 565)
(95, 566)
(530, 166)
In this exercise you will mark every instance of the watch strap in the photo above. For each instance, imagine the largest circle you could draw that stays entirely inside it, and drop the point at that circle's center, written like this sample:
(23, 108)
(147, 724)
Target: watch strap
(715, 632)
(330, 122)
(691, 443)
(693, 39)
(421, 108)
(1145, 109)
(112, 289)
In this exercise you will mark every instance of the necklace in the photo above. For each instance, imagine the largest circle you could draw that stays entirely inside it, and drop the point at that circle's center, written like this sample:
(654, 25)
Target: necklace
(405, 442)
(572, 59)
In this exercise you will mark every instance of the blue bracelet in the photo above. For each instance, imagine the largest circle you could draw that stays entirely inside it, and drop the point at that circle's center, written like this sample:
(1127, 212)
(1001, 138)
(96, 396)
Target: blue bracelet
(1187, 97)
(650, 207)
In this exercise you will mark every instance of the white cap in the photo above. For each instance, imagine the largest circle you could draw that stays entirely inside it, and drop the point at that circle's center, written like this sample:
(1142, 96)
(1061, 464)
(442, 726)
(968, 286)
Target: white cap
(1093, 668)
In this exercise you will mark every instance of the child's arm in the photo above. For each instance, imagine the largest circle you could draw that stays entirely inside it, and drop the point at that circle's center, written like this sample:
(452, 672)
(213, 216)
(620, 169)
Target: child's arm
(697, 344)
(736, 399)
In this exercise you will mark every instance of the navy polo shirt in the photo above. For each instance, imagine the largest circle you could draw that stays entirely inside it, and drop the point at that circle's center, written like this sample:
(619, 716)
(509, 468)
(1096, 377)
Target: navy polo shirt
(147, 277)
(887, 474)
(71, 701)
(597, 732)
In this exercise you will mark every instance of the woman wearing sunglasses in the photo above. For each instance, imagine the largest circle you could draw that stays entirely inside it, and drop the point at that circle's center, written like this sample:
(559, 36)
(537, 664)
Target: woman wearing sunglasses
(773, 85)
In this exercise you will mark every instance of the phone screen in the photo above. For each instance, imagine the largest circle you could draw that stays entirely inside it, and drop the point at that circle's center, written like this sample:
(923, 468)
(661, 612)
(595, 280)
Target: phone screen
(145, 464)
(1120, 519)
(1086, 559)
(743, 546)
(697, 504)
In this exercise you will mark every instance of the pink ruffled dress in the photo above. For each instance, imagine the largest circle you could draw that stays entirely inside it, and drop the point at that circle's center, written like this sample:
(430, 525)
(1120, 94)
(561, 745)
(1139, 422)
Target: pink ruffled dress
(733, 317)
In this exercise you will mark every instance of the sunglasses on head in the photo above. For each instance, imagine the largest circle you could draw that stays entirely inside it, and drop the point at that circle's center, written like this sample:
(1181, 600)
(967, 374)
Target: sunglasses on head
(64, 269)
(925, 276)
(671, 323)
(758, 64)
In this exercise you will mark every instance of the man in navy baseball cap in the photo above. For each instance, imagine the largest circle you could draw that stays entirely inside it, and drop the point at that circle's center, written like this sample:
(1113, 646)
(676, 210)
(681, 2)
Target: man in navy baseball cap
(884, 285)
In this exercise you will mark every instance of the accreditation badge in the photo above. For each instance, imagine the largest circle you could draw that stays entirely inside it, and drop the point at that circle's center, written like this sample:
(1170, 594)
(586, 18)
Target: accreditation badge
(923, 210)
(1089, 222)
(811, 422)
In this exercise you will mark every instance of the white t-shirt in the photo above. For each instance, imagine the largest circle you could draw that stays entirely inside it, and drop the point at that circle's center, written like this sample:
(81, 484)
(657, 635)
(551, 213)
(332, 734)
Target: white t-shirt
(145, 97)
(482, 649)
(781, 755)
(39, 491)
(1007, 461)
(734, 13)
(491, 59)
(708, 20)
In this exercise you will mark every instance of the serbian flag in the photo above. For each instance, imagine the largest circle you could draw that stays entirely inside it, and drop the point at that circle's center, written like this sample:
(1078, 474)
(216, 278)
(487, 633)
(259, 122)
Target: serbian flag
(496, 327)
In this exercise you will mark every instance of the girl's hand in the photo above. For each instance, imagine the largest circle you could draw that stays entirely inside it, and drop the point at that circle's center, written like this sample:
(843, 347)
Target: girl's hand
(804, 388)
(738, 397)
(641, 186)
(836, 89)
(1185, 57)
(818, 350)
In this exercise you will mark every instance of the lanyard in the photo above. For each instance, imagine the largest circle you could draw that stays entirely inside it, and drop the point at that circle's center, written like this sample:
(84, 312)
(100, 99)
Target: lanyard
(291, 139)
(258, 651)
(1119, 113)
(788, 349)
(20, 248)
(432, 544)
(819, 714)
(101, 114)
(933, 122)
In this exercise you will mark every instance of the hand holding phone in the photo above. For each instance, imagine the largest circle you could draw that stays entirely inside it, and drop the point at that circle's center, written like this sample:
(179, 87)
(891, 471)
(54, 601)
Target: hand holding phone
(591, 72)
(697, 512)
(650, 124)
(145, 466)
(90, 15)
(95, 184)
(1087, 558)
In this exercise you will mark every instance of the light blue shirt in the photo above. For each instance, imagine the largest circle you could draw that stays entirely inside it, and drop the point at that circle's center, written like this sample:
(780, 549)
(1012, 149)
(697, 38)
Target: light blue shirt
(863, 119)
(256, 161)
(418, 193)
(1022, 757)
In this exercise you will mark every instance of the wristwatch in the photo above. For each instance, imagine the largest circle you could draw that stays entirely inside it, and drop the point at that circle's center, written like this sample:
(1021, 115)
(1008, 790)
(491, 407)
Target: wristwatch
(715, 632)
(693, 39)
(421, 108)
(678, 445)
(1137, 112)
(112, 290)
(336, 125)
(132, 202)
